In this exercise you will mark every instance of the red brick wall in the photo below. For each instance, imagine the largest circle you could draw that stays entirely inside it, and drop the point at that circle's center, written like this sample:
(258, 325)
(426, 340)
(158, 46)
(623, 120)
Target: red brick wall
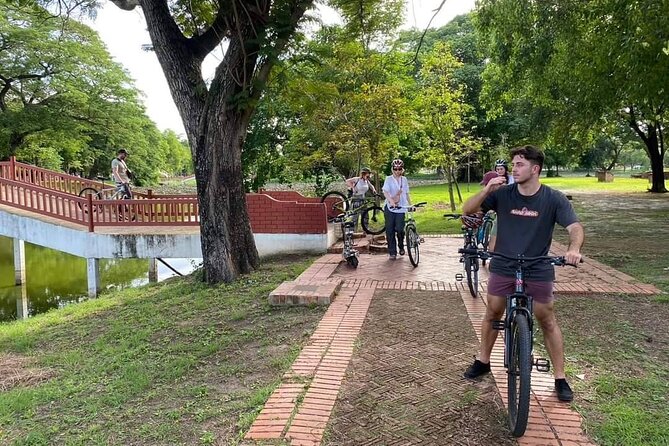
(271, 216)
(290, 195)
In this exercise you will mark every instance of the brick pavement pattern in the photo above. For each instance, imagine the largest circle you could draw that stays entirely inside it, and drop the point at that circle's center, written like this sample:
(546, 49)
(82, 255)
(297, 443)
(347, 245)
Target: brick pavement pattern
(299, 409)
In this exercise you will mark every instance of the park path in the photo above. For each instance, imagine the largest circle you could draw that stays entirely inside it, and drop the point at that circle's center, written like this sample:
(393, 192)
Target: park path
(300, 410)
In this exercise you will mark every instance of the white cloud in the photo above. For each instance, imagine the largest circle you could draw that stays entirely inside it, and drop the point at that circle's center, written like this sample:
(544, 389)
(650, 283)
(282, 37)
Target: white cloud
(125, 32)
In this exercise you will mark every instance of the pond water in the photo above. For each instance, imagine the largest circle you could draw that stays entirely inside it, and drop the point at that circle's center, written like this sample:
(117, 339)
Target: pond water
(55, 279)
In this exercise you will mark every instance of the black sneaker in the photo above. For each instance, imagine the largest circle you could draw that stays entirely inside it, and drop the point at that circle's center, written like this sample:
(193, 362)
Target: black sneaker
(477, 369)
(401, 251)
(563, 390)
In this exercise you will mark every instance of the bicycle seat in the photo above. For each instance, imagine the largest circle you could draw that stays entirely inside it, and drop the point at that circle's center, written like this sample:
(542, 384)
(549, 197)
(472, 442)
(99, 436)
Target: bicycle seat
(101, 178)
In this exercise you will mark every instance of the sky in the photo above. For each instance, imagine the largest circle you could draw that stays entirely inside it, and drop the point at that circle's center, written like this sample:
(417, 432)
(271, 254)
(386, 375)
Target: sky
(124, 33)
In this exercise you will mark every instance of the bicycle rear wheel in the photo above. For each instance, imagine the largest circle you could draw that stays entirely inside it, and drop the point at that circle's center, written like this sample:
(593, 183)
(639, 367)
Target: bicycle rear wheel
(413, 244)
(472, 272)
(335, 204)
(84, 193)
(374, 221)
(519, 373)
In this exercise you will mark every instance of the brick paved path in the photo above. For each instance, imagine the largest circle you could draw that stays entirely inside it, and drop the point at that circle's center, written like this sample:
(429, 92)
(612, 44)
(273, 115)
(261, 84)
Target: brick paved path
(300, 408)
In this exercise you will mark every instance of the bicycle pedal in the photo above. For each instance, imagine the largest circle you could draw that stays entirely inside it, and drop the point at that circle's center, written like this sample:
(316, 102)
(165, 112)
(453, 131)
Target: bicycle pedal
(421, 240)
(542, 364)
(498, 325)
(459, 277)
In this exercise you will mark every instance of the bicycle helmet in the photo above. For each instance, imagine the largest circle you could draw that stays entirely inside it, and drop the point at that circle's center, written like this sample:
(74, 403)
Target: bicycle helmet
(365, 170)
(502, 163)
(472, 221)
(397, 163)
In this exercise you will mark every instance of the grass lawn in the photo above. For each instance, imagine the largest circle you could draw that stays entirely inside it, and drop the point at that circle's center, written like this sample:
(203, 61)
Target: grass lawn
(174, 363)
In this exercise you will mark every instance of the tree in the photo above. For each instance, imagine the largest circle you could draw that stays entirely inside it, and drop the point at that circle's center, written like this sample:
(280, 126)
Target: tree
(444, 114)
(583, 61)
(350, 105)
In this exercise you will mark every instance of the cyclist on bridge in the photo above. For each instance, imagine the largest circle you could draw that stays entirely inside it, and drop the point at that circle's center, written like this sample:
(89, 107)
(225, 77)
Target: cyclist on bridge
(527, 212)
(121, 174)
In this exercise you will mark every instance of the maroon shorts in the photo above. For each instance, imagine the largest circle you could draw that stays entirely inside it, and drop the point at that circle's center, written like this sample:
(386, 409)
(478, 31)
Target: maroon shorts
(541, 292)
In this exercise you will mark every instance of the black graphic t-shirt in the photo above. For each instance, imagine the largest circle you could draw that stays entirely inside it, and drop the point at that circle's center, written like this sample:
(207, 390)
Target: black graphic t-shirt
(525, 226)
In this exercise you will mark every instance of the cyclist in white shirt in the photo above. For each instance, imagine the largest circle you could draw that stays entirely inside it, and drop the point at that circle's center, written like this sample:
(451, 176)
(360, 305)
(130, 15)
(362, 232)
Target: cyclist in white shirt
(396, 191)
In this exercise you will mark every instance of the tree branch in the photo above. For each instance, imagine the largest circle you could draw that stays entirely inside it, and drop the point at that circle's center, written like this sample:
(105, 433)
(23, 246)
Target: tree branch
(206, 42)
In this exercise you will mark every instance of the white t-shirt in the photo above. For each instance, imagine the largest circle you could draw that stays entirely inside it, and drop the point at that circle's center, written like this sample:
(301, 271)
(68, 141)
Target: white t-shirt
(398, 188)
(360, 188)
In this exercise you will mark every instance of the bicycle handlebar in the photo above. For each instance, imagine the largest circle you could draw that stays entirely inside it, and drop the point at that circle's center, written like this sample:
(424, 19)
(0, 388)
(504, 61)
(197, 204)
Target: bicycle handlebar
(412, 207)
(453, 216)
(555, 260)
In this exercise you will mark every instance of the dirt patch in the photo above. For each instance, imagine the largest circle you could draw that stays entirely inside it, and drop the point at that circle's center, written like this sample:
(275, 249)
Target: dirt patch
(405, 385)
(16, 371)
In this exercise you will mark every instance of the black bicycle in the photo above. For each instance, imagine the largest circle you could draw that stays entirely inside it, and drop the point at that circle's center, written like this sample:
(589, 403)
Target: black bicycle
(349, 253)
(470, 262)
(412, 238)
(371, 214)
(518, 338)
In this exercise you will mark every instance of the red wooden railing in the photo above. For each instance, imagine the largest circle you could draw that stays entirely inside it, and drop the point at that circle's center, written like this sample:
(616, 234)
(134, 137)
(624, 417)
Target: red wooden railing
(55, 195)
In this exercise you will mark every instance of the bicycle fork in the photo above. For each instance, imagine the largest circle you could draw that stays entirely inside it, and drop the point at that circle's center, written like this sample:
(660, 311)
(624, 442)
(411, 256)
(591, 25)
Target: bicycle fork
(519, 304)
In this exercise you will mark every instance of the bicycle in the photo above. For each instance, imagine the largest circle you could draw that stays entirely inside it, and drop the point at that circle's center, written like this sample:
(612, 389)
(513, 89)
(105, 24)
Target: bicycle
(349, 253)
(119, 193)
(470, 262)
(518, 339)
(371, 214)
(413, 239)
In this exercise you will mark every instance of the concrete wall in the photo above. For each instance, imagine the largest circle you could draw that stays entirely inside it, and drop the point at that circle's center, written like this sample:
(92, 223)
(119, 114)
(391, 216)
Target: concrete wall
(95, 245)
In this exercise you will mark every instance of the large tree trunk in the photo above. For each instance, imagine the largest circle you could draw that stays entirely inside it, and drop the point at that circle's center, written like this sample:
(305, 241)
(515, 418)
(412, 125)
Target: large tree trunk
(216, 126)
(228, 246)
(653, 138)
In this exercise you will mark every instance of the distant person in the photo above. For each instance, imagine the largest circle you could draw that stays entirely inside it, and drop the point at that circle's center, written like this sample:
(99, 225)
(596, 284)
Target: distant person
(396, 191)
(527, 212)
(359, 186)
(501, 170)
(121, 174)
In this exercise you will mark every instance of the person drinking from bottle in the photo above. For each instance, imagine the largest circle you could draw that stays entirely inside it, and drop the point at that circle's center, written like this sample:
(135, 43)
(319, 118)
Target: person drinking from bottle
(526, 213)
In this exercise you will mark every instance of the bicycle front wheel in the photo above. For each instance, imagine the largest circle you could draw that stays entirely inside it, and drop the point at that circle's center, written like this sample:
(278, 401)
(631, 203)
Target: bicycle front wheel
(519, 373)
(374, 221)
(335, 204)
(413, 244)
(84, 193)
(472, 272)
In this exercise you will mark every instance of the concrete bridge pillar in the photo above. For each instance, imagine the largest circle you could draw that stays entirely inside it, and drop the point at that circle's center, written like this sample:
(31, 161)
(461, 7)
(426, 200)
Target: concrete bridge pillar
(22, 302)
(19, 261)
(93, 275)
(153, 270)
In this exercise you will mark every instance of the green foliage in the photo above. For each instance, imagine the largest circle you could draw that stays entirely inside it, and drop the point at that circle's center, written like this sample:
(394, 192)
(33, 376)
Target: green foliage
(66, 105)
(350, 105)
(582, 62)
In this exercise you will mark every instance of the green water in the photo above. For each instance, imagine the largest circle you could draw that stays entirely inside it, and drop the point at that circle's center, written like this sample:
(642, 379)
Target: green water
(55, 279)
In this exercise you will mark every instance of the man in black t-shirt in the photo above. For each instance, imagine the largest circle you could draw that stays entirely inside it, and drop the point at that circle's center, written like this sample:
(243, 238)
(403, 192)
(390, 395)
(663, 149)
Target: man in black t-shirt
(526, 212)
